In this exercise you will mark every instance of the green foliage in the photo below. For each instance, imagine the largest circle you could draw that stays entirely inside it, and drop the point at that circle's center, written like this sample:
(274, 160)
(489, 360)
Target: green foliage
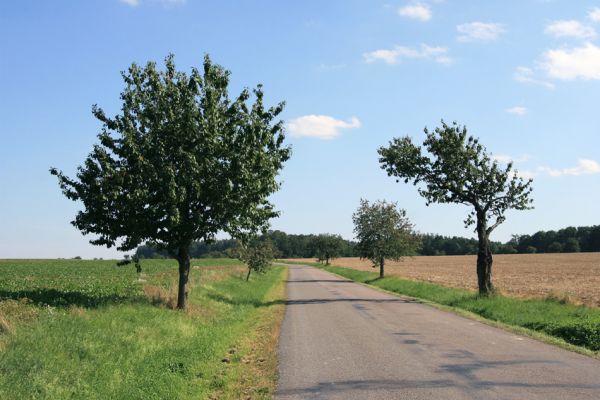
(458, 170)
(257, 255)
(126, 349)
(181, 162)
(383, 232)
(578, 325)
(327, 246)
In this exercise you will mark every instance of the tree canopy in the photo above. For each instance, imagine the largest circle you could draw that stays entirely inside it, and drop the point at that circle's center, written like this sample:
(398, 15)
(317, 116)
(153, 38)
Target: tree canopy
(456, 168)
(180, 162)
(327, 246)
(383, 232)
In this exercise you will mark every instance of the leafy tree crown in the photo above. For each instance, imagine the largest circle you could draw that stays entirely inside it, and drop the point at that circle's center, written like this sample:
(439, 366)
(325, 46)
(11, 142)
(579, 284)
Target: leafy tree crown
(180, 162)
(383, 231)
(458, 169)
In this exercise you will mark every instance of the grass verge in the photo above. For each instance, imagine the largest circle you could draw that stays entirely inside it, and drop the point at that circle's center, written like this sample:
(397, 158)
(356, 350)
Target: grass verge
(112, 340)
(575, 325)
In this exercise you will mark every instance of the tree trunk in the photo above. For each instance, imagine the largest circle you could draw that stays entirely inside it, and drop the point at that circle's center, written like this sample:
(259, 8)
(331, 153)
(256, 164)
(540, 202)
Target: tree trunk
(484, 258)
(248, 275)
(183, 258)
(326, 260)
(381, 264)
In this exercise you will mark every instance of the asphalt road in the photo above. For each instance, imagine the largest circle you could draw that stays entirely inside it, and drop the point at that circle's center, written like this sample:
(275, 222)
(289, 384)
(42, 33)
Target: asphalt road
(342, 340)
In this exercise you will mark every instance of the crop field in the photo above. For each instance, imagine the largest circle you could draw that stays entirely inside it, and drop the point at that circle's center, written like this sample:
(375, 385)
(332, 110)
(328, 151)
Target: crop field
(93, 330)
(571, 276)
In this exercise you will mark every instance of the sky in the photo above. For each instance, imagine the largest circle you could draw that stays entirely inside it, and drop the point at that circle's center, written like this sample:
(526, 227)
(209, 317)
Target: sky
(522, 75)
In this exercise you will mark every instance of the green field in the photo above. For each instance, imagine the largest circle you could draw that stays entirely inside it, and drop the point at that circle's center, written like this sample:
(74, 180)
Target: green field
(575, 325)
(93, 330)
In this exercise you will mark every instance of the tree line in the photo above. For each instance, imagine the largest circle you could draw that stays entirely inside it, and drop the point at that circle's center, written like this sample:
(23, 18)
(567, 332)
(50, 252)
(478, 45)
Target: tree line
(567, 240)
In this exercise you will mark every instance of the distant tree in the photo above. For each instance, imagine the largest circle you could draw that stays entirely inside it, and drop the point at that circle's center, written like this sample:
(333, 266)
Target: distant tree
(555, 247)
(571, 246)
(383, 232)
(258, 255)
(459, 170)
(181, 162)
(327, 247)
(530, 250)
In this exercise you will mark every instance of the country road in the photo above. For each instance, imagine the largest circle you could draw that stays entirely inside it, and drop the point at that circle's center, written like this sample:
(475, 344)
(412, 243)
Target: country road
(342, 340)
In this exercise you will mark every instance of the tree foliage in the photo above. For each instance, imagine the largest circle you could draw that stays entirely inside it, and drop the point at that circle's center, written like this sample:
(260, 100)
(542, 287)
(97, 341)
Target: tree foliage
(258, 255)
(383, 232)
(180, 162)
(327, 246)
(456, 168)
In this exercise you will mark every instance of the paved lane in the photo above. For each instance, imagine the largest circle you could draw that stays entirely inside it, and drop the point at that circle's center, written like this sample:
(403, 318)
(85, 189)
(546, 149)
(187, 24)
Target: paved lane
(342, 340)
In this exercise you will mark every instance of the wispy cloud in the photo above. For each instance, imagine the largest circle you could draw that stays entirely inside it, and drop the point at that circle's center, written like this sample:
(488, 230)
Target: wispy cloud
(418, 11)
(517, 110)
(594, 14)
(505, 159)
(479, 32)
(132, 3)
(583, 167)
(398, 53)
(575, 63)
(527, 75)
(570, 28)
(320, 126)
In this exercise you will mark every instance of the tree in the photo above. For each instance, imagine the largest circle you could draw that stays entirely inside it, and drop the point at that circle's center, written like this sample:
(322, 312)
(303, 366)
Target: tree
(327, 246)
(180, 162)
(572, 246)
(458, 169)
(257, 255)
(383, 232)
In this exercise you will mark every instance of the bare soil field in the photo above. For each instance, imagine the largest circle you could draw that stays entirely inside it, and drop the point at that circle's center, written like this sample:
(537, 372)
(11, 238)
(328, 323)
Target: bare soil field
(575, 276)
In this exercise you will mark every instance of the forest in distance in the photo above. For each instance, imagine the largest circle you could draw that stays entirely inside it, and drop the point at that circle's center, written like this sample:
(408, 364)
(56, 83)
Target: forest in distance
(567, 240)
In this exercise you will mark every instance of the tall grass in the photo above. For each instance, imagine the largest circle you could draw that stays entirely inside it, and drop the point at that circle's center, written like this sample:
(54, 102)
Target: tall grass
(106, 339)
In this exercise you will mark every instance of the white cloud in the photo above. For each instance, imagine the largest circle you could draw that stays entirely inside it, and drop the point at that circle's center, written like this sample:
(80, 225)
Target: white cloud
(594, 14)
(320, 126)
(517, 110)
(132, 3)
(583, 167)
(505, 159)
(479, 32)
(576, 63)
(526, 174)
(526, 75)
(570, 28)
(418, 11)
(395, 55)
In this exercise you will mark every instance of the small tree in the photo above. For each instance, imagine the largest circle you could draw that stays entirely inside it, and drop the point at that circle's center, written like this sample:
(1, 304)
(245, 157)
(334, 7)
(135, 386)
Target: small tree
(181, 162)
(459, 170)
(327, 246)
(258, 255)
(383, 232)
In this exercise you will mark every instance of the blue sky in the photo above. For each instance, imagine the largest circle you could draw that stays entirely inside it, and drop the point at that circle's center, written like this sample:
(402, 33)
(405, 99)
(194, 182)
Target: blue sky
(524, 76)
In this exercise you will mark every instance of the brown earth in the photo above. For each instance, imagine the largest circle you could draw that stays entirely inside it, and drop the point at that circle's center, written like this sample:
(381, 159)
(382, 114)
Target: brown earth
(571, 276)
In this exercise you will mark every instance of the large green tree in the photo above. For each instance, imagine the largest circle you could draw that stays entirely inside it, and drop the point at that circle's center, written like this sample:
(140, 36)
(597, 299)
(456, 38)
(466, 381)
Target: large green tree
(383, 232)
(180, 162)
(458, 169)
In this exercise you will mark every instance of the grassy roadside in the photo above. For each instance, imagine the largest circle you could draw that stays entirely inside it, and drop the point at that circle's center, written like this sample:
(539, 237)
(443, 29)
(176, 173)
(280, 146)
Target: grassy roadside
(575, 325)
(94, 332)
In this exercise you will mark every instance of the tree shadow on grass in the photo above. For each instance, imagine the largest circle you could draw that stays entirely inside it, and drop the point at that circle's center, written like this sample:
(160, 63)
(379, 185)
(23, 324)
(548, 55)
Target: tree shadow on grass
(58, 298)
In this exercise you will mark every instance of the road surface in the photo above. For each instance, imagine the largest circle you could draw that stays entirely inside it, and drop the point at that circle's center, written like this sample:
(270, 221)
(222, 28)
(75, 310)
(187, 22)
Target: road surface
(342, 340)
